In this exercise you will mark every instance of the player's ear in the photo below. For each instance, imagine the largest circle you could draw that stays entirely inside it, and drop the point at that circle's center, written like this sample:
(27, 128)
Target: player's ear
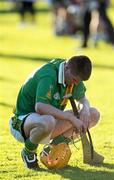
(66, 66)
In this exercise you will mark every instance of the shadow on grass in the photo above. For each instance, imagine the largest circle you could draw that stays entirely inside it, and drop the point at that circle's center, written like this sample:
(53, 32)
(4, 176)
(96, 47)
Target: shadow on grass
(6, 105)
(100, 66)
(37, 10)
(105, 165)
(44, 59)
(74, 173)
(70, 172)
(22, 57)
(2, 78)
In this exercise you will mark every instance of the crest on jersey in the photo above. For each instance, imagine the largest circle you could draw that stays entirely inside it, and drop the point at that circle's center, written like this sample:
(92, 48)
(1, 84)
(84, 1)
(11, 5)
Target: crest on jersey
(56, 96)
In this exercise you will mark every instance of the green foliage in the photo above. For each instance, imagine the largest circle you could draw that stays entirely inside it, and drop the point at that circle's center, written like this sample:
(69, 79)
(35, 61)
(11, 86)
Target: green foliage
(22, 50)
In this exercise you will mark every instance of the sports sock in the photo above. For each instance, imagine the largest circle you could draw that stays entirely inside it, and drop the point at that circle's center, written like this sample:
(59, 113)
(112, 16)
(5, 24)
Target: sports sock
(30, 147)
(59, 139)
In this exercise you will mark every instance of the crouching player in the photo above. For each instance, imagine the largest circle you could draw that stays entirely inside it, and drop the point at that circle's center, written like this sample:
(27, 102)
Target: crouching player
(39, 115)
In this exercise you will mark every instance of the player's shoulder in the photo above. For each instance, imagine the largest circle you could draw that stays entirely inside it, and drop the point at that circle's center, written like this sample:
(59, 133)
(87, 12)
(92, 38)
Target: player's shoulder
(57, 61)
(80, 85)
(49, 69)
(53, 65)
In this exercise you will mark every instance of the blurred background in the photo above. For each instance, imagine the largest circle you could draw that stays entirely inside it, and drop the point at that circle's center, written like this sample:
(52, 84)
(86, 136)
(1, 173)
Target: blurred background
(88, 23)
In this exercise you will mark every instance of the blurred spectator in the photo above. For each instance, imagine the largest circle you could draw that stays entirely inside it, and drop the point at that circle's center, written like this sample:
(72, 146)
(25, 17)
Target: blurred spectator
(90, 15)
(95, 14)
(65, 16)
(59, 16)
(26, 7)
(103, 5)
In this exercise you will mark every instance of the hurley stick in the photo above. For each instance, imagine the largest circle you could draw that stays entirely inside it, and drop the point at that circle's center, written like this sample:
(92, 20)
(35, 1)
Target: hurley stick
(84, 139)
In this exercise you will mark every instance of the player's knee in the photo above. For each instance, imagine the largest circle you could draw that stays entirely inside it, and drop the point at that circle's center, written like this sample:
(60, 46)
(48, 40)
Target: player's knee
(47, 123)
(39, 125)
(50, 123)
(95, 115)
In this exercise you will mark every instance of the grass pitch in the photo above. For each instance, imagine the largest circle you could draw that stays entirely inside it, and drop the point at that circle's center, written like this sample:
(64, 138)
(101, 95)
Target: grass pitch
(21, 51)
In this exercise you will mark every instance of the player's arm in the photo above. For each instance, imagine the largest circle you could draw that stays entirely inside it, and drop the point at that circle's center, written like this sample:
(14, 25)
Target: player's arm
(85, 111)
(44, 98)
(84, 101)
(47, 109)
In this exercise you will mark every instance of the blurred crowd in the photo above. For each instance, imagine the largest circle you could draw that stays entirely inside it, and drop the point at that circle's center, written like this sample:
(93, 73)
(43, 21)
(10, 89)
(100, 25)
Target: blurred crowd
(70, 17)
(88, 16)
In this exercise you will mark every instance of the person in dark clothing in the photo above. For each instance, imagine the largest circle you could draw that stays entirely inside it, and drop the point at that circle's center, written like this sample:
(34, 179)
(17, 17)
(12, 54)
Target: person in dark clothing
(100, 6)
(88, 6)
(103, 4)
(26, 6)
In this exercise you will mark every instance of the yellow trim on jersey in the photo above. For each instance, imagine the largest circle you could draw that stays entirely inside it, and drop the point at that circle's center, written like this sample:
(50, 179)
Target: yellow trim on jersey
(68, 91)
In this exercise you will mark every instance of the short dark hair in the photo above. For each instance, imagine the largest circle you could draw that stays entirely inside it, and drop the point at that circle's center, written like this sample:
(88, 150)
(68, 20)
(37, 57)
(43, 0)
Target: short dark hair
(80, 65)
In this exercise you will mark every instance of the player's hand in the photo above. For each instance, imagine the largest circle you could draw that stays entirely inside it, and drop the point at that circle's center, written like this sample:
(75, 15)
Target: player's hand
(85, 117)
(78, 124)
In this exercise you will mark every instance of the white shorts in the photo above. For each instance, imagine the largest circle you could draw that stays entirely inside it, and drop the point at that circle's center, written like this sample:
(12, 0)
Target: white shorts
(18, 136)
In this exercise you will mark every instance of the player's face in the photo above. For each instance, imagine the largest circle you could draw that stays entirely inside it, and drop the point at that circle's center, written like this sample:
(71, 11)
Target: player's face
(75, 79)
(70, 78)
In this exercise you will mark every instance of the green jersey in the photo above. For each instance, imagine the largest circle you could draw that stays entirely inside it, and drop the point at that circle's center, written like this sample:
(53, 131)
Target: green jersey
(47, 85)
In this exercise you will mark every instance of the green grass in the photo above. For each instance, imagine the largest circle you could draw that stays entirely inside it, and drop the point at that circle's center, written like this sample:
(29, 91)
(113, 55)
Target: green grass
(22, 50)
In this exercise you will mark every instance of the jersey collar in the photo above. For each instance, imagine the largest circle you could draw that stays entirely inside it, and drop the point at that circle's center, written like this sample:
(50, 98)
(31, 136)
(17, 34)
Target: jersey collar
(61, 77)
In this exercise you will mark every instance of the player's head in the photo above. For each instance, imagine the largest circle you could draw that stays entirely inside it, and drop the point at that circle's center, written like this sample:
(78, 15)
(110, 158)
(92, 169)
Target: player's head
(79, 67)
